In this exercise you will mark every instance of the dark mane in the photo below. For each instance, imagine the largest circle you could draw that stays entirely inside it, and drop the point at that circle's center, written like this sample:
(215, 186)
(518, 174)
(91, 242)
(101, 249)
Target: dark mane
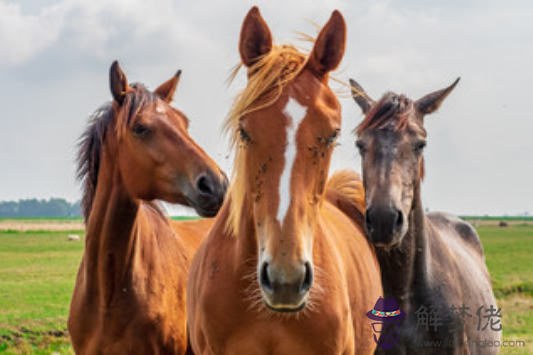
(92, 140)
(392, 108)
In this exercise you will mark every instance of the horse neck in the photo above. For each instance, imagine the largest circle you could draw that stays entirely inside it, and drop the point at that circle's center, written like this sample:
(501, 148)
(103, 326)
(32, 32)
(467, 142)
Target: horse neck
(246, 242)
(403, 269)
(112, 226)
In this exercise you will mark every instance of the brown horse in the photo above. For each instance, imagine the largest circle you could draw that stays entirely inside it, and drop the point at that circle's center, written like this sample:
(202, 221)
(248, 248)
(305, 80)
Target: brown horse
(130, 291)
(286, 268)
(429, 262)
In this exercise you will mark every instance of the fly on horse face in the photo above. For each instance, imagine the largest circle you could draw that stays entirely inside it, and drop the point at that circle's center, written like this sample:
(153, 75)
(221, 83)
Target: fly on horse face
(129, 296)
(286, 268)
(434, 260)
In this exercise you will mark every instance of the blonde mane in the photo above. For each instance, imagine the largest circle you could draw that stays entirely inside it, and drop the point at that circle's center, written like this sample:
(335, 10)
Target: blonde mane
(348, 183)
(267, 79)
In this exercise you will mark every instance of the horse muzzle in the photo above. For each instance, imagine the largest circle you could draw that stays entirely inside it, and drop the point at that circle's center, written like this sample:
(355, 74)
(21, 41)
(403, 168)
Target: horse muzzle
(208, 193)
(285, 290)
(385, 225)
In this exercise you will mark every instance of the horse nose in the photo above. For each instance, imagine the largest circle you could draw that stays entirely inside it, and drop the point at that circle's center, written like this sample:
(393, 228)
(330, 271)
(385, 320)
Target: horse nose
(286, 289)
(205, 185)
(383, 222)
(272, 281)
(211, 191)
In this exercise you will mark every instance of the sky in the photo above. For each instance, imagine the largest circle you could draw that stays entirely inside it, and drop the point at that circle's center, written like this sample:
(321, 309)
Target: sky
(55, 57)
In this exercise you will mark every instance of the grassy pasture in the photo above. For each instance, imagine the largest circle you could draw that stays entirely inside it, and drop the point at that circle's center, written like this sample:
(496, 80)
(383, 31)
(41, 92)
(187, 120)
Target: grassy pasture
(37, 273)
(38, 270)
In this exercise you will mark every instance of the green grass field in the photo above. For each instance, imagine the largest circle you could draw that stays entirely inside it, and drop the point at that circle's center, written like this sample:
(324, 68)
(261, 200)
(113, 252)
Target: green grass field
(38, 269)
(37, 273)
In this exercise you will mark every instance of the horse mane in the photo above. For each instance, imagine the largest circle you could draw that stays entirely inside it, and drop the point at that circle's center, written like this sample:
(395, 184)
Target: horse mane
(268, 76)
(391, 109)
(92, 140)
(345, 190)
(348, 184)
(267, 79)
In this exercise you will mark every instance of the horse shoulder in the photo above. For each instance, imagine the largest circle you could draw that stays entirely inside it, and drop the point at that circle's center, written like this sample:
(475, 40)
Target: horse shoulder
(471, 273)
(464, 250)
(160, 273)
(192, 233)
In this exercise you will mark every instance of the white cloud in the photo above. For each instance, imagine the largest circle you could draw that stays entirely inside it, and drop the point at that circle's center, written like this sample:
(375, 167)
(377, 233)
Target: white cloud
(93, 28)
(54, 61)
(23, 36)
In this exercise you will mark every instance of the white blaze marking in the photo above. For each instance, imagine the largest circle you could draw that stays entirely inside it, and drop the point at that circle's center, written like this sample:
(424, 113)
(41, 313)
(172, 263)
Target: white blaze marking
(295, 113)
(160, 108)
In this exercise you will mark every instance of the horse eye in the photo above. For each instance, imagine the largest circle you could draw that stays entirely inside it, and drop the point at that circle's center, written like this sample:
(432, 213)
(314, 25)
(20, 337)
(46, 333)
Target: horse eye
(140, 130)
(360, 146)
(419, 146)
(333, 137)
(244, 135)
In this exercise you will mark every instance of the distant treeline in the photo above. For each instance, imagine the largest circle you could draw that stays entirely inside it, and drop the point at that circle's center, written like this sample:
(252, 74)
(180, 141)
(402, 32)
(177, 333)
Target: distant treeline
(523, 217)
(54, 207)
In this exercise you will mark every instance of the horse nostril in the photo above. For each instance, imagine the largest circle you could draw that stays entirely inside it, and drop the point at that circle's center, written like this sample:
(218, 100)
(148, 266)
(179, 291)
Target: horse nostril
(205, 185)
(399, 221)
(224, 178)
(308, 278)
(264, 279)
(368, 221)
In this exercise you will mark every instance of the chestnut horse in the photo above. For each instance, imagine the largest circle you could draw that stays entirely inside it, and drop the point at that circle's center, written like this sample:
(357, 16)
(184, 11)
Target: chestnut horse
(286, 269)
(429, 262)
(129, 296)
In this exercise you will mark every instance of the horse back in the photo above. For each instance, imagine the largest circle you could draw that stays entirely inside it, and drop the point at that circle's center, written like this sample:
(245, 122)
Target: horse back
(455, 227)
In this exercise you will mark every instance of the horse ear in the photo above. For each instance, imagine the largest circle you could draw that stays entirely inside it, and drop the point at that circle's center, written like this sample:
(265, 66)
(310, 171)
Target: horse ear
(167, 89)
(329, 46)
(361, 97)
(118, 82)
(256, 39)
(431, 102)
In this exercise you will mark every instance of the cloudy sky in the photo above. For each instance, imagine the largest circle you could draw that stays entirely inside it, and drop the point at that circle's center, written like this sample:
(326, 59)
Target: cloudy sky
(55, 56)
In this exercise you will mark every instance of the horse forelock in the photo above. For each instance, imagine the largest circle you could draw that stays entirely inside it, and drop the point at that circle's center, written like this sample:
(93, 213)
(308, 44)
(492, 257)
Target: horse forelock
(134, 102)
(267, 78)
(92, 140)
(391, 111)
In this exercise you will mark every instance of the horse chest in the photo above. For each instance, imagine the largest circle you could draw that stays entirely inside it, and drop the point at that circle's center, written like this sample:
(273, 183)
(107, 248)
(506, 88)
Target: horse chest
(231, 325)
(278, 337)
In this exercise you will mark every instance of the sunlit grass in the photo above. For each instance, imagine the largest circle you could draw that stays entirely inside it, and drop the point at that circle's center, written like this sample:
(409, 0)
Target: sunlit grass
(38, 270)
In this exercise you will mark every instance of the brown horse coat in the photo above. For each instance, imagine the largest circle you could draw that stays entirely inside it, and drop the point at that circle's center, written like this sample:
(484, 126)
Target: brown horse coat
(286, 268)
(225, 319)
(129, 296)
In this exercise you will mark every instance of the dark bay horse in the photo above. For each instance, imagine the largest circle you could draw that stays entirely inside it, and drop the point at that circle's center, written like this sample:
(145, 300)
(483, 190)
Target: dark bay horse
(286, 269)
(434, 260)
(129, 296)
